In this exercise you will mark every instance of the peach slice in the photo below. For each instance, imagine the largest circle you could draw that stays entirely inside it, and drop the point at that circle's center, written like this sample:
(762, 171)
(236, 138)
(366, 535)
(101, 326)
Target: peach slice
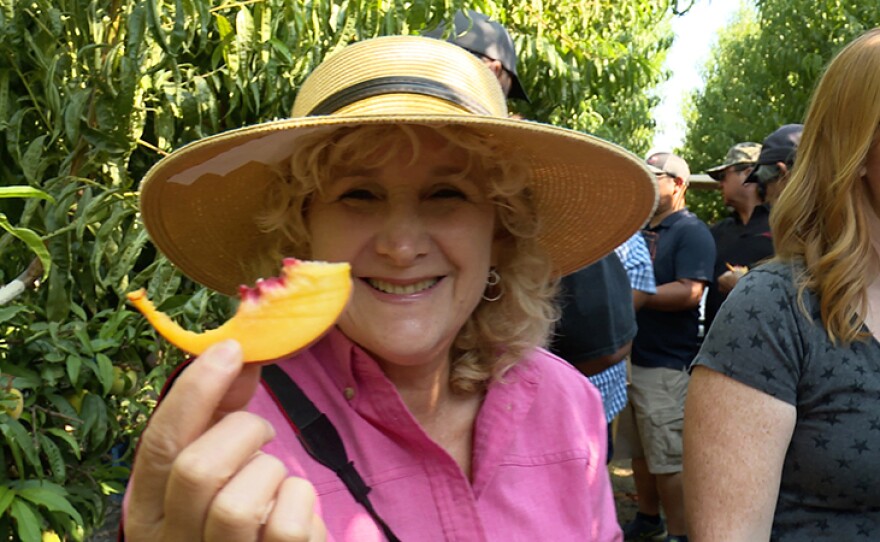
(278, 316)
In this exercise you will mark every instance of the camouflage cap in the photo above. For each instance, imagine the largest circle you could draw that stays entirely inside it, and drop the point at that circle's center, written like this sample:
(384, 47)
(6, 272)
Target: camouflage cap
(741, 153)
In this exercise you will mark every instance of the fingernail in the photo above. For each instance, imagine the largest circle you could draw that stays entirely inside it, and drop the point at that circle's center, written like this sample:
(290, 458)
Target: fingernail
(270, 429)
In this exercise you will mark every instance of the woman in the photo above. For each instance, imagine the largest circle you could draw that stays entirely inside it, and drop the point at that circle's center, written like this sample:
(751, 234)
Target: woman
(399, 159)
(782, 424)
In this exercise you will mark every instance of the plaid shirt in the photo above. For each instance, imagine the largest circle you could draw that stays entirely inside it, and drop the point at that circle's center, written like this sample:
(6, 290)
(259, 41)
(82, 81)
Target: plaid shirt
(637, 262)
(611, 382)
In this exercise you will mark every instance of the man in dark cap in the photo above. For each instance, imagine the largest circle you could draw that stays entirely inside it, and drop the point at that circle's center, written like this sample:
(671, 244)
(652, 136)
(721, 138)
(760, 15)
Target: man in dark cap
(489, 41)
(776, 161)
(742, 239)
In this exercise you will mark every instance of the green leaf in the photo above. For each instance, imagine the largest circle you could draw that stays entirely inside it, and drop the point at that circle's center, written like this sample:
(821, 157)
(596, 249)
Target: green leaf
(19, 437)
(56, 459)
(32, 162)
(135, 239)
(74, 365)
(4, 97)
(81, 333)
(105, 372)
(8, 313)
(7, 494)
(155, 23)
(24, 192)
(136, 26)
(52, 497)
(58, 300)
(32, 240)
(282, 49)
(74, 113)
(27, 521)
(81, 314)
(66, 437)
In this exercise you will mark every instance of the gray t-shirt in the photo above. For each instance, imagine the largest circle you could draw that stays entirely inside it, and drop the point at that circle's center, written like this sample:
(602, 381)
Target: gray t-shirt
(830, 486)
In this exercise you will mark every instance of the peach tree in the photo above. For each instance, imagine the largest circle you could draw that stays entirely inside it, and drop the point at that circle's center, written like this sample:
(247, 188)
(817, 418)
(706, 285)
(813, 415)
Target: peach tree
(92, 92)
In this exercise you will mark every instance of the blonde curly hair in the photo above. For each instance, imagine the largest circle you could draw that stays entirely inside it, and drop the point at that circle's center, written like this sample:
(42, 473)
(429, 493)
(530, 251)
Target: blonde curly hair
(498, 333)
(820, 218)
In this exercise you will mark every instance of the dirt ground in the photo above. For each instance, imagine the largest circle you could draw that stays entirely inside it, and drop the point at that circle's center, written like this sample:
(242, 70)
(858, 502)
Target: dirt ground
(624, 490)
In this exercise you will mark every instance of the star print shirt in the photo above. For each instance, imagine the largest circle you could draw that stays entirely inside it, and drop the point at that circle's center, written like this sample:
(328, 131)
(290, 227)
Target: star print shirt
(830, 487)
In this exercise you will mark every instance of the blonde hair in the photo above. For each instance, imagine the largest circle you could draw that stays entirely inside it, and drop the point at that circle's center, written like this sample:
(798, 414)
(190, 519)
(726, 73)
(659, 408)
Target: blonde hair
(498, 333)
(820, 216)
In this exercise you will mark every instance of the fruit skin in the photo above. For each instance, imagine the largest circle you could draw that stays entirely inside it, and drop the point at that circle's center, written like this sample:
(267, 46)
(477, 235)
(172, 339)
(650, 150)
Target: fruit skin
(119, 381)
(278, 316)
(76, 399)
(131, 381)
(16, 411)
(50, 536)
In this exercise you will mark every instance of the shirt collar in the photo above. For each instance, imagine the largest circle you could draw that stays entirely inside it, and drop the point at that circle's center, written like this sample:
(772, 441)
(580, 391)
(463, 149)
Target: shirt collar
(671, 219)
(353, 370)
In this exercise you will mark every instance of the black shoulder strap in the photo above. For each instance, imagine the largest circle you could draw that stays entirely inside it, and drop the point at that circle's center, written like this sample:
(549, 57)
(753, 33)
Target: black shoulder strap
(320, 438)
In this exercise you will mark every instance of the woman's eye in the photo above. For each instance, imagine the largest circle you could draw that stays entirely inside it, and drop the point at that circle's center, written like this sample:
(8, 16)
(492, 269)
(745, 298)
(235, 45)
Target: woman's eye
(358, 194)
(448, 193)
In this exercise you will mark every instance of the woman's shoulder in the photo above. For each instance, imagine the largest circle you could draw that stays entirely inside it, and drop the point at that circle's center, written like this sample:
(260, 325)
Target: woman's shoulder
(557, 401)
(557, 376)
(774, 275)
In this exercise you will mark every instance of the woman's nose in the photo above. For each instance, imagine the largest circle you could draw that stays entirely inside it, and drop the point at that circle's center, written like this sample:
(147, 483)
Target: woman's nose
(403, 236)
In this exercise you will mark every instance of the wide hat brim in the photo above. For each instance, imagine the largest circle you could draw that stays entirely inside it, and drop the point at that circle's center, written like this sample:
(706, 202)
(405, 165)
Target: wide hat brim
(199, 204)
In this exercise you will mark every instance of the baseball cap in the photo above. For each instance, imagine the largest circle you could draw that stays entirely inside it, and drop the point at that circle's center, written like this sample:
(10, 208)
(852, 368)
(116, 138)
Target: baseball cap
(780, 146)
(670, 164)
(483, 36)
(740, 154)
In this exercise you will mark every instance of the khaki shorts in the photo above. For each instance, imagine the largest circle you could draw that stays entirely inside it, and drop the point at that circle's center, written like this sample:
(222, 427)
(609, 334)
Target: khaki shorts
(650, 426)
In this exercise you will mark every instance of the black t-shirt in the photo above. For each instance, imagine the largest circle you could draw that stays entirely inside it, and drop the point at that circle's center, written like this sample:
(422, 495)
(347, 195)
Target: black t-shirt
(738, 244)
(681, 247)
(597, 312)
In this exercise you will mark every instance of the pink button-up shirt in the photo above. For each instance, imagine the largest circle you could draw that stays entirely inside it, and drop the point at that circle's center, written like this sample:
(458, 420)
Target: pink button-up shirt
(538, 454)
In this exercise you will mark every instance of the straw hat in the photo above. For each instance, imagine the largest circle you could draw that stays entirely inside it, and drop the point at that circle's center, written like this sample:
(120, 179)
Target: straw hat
(198, 203)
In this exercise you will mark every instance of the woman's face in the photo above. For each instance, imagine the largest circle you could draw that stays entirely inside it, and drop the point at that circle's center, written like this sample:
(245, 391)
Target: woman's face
(419, 238)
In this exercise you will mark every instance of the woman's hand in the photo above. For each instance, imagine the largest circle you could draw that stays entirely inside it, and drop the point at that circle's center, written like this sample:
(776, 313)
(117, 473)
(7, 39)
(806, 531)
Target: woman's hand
(199, 473)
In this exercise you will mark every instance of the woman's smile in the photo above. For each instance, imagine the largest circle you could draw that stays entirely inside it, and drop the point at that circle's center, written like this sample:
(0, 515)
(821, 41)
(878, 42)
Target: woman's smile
(402, 287)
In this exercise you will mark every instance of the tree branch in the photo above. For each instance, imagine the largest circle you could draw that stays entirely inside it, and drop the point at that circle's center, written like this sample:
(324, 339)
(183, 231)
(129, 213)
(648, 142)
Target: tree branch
(24, 281)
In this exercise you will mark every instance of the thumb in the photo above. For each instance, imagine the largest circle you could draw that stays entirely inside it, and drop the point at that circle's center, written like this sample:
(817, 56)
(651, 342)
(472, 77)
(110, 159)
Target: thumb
(240, 391)
(213, 383)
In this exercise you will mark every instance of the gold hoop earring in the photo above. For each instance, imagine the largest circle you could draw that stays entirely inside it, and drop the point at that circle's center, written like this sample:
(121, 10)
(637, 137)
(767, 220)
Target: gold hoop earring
(492, 281)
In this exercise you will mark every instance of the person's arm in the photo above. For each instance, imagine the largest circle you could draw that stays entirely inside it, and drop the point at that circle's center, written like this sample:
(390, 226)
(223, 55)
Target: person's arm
(595, 366)
(639, 299)
(636, 260)
(694, 264)
(198, 473)
(679, 295)
(735, 440)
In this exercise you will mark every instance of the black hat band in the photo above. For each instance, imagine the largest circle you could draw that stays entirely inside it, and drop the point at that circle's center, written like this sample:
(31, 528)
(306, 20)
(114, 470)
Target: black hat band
(395, 85)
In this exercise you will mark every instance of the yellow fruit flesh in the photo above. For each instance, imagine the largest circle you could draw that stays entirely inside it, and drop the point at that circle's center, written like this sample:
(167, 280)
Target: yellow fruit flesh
(275, 318)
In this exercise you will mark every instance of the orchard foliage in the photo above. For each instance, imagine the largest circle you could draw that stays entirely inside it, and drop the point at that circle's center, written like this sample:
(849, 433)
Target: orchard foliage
(92, 92)
(764, 68)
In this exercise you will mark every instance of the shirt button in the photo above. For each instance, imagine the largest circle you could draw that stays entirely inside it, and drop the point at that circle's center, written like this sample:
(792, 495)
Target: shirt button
(349, 393)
